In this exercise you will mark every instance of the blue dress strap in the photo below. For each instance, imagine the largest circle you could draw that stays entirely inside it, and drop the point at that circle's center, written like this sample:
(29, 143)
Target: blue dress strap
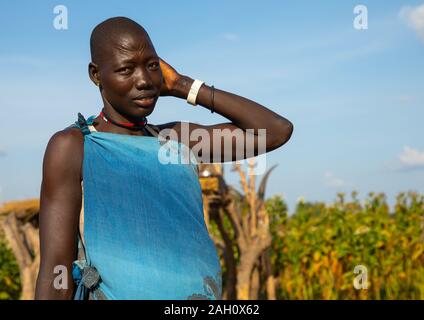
(82, 124)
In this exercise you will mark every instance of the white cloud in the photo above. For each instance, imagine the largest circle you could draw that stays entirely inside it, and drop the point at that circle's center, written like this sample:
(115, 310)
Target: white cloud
(412, 157)
(406, 99)
(414, 17)
(231, 36)
(330, 180)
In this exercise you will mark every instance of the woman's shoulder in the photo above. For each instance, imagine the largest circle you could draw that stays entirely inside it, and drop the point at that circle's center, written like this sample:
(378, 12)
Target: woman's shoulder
(68, 142)
(64, 154)
(68, 136)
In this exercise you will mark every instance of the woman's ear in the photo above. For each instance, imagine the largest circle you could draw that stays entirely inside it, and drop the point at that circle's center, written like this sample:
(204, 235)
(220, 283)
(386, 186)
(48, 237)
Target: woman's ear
(93, 72)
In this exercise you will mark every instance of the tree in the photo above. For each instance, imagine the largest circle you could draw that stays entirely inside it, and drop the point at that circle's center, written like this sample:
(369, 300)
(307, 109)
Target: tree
(242, 232)
(19, 222)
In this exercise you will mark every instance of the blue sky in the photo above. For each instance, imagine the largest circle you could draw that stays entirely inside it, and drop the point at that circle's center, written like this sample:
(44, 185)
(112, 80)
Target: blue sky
(355, 97)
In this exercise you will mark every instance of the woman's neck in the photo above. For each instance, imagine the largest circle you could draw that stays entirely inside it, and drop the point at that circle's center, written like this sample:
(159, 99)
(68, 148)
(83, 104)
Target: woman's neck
(111, 121)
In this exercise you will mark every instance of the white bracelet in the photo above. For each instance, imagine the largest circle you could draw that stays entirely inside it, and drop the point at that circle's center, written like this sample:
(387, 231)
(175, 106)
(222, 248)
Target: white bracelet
(194, 90)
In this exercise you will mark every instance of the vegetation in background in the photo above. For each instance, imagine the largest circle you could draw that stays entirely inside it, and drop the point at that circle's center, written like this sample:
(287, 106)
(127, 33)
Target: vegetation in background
(314, 251)
(10, 286)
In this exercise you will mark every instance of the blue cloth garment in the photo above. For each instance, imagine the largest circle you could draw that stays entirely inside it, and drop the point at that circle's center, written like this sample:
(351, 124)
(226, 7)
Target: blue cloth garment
(144, 228)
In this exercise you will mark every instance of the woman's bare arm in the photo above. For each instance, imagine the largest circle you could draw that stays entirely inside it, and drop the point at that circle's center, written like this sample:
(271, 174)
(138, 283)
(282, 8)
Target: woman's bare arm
(246, 116)
(60, 205)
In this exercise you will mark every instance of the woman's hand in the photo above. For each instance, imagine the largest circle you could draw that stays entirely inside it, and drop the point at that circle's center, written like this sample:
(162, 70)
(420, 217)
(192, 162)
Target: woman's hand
(174, 84)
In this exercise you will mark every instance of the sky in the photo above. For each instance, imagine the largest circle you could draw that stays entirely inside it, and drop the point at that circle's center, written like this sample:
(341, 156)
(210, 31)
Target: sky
(355, 96)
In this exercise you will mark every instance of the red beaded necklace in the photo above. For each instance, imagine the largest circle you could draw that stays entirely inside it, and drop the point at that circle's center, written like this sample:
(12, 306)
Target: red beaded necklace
(129, 125)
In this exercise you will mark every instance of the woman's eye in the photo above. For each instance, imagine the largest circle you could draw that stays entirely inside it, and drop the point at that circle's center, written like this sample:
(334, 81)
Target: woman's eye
(125, 70)
(154, 65)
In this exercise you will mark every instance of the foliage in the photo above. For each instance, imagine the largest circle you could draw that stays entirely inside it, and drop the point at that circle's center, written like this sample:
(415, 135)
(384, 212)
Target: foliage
(316, 249)
(10, 286)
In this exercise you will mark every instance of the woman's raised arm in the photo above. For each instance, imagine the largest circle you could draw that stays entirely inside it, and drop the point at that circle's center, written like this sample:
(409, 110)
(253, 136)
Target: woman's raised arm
(268, 130)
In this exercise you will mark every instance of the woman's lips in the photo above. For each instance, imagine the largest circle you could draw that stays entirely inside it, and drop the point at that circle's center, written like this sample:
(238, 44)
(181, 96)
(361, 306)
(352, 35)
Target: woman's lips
(145, 102)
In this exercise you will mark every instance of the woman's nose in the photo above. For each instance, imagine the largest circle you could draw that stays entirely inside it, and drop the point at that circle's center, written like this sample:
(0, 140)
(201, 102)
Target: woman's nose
(143, 79)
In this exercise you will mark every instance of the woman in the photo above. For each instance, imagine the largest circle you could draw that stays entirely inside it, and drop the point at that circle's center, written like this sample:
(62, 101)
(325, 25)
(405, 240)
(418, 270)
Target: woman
(144, 232)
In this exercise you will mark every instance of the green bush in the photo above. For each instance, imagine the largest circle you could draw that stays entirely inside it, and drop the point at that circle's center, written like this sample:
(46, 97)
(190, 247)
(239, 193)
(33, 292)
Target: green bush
(10, 285)
(316, 249)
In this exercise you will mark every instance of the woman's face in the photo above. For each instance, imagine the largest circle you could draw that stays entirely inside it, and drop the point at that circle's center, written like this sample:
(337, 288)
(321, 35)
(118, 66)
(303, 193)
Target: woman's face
(130, 76)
